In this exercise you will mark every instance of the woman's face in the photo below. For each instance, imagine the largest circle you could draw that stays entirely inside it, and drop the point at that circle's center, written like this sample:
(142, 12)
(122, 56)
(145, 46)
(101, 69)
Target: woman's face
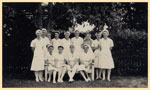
(56, 35)
(105, 34)
(77, 33)
(86, 48)
(39, 34)
(98, 36)
(72, 48)
(67, 35)
(88, 36)
(49, 35)
(44, 33)
(50, 49)
(60, 50)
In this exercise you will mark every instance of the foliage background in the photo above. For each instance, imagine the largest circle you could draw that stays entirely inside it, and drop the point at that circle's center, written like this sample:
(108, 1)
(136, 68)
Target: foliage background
(127, 24)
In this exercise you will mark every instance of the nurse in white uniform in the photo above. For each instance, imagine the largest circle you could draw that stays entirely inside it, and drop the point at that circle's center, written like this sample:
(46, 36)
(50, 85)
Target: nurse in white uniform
(38, 57)
(49, 37)
(66, 42)
(97, 52)
(60, 62)
(72, 62)
(86, 59)
(77, 41)
(88, 41)
(107, 62)
(45, 39)
(51, 64)
(44, 36)
(45, 42)
(56, 42)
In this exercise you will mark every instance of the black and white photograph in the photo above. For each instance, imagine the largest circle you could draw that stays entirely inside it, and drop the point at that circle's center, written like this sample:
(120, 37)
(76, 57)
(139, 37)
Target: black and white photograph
(74, 44)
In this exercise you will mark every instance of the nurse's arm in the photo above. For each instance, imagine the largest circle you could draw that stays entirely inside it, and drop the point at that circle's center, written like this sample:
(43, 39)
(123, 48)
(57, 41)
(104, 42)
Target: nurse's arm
(111, 47)
(90, 61)
(32, 48)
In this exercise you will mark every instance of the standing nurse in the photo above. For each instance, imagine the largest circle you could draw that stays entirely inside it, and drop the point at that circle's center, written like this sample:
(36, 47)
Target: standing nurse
(66, 42)
(38, 57)
(77, 41)
(107, 62)
(45, 42)
(56, 42)
(97, 52)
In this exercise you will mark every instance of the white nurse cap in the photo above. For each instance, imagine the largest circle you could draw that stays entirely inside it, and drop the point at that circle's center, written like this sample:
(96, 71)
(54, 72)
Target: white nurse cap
(67, 32)
(43, 29)
(38, 31)
(105, 31)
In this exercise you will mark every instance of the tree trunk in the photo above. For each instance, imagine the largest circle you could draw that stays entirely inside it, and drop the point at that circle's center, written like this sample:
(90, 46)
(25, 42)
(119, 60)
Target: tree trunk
(38, 17)
(40, 23)
(50, 16)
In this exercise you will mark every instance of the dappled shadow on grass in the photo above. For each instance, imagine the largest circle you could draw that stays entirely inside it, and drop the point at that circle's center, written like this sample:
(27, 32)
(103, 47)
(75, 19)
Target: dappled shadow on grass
(117, 81)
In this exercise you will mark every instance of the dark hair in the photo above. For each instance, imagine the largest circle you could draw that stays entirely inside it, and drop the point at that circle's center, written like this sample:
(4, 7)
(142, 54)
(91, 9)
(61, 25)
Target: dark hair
(60, 47)
(48, 46)
(51, 46)
(57, 32)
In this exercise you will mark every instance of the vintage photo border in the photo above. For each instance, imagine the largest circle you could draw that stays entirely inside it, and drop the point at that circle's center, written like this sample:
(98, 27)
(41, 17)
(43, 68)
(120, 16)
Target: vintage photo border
(148, 1)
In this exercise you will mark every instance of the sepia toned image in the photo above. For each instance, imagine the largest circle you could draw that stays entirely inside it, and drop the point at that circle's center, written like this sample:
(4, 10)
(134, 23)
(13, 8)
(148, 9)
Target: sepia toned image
(75, 44)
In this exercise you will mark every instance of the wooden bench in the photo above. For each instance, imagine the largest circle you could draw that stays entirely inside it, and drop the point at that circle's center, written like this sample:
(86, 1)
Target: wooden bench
(90, 71)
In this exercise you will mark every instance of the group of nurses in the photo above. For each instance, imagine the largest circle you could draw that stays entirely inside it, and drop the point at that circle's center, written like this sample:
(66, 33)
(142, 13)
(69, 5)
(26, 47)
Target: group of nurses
(71, 55)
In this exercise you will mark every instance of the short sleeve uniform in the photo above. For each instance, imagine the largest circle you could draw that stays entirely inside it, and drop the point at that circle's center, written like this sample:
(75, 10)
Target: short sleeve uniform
(45, 42)
(66, 44)
(56, 43)
(59, 60)
(50, 59)
(89, 43)
(77, 42)
(97, 53)
(85, 59)
(106, 56)
(38, 57)
(72, 58)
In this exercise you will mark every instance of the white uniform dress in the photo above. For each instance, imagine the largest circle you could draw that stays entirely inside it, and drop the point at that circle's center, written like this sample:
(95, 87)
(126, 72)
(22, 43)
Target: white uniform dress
(59, 60)
(106, 56)
(56, 43)
(51, 62)
(38, 57)
(45, 42)
(89, 43)
(72, 58)
(97, 53)
(77, 42)
(66, 44)
(85, 59)
(50, 42)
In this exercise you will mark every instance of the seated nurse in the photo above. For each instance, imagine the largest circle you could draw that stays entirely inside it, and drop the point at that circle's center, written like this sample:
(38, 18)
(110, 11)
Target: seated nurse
(51, 64)
(72, 62)
(60, 63)
(86, 59)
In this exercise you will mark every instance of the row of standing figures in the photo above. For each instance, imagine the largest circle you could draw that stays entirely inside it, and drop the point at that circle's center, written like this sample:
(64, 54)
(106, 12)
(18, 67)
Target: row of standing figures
(71, 55)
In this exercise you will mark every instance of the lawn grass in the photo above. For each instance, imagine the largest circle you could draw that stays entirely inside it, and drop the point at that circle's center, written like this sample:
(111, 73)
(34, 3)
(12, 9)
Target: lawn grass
(117, 82)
